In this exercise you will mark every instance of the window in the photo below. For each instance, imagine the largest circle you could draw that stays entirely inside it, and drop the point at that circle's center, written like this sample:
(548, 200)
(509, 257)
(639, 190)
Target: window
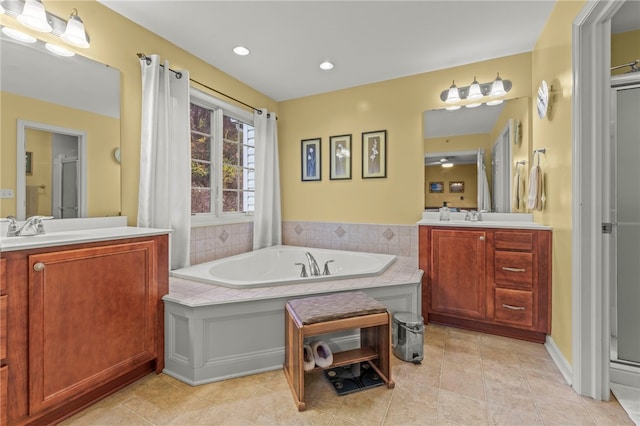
(222, 160)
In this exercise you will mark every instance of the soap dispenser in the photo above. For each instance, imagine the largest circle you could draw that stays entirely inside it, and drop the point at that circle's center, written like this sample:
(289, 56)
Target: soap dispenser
(445, 212)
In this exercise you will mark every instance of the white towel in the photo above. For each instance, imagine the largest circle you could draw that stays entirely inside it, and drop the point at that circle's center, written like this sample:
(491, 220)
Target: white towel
(536, 198)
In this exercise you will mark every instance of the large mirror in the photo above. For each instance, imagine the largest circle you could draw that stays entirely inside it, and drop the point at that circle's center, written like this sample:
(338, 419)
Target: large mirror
(478, 158)
(60, 121)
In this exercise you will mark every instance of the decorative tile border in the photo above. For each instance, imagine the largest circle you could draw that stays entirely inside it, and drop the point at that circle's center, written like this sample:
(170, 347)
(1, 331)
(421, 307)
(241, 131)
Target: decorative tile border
(215, 242)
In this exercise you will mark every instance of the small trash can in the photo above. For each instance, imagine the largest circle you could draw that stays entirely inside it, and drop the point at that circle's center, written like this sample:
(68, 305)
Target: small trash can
(407, 336)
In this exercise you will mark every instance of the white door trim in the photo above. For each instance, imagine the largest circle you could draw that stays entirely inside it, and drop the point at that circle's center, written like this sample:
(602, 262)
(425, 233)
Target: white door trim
(590, 292)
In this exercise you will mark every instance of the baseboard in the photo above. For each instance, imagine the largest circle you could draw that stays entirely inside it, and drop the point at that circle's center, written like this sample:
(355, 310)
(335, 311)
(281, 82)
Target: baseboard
(559, 359)
(624, 374)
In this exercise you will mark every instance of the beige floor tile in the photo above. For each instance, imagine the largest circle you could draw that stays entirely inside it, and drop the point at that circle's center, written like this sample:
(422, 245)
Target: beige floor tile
(265, 406)
(501, 415)
(107, 412)
(461, 410)
(466, 378)
(562, 412)
(607, 413)
(364, 409)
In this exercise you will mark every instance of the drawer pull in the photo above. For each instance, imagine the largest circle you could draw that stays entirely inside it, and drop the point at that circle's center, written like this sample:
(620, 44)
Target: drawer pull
(506, 268)
(38, 267)
(513, 308)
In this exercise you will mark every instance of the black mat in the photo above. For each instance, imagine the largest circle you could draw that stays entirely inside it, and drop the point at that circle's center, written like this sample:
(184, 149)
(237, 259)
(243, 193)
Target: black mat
(347, 379)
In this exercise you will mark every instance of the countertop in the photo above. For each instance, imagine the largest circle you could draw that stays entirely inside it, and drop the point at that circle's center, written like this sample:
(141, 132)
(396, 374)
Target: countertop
(488, 220)
(63, 232)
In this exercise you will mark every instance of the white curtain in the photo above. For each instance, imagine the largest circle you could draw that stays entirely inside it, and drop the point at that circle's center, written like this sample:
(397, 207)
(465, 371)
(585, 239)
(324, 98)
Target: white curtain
(267, 217)
(164, 199)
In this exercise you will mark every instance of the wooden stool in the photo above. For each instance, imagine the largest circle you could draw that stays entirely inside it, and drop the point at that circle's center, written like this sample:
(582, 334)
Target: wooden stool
(313, 316)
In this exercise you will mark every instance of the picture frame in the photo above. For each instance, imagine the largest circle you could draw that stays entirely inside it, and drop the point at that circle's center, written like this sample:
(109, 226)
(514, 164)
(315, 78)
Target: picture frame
(28, 163)
(436, 187)
(456, 186)
(340, 157)
(374, 154)
(310, 151)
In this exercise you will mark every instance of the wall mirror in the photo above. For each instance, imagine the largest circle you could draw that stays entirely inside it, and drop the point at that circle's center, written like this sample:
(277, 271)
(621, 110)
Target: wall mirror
(468, 140)
(60, 126)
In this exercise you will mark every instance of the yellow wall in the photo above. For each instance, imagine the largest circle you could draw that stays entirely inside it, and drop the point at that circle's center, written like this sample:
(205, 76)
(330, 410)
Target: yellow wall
(103, 133)
(466, 173)
(115, 41)
(552, 57)
(395, 105)
(625, 48)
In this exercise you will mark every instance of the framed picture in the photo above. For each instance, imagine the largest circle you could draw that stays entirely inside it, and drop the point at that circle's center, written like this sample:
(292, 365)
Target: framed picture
(436, 186)
(457, 186)
(374, 154)
(28, 163)
(340, 157)
(310, 150)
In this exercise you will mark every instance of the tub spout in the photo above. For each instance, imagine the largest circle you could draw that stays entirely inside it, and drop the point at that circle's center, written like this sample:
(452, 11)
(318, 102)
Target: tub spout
(326, 268)
(314, 269)
(303, 271)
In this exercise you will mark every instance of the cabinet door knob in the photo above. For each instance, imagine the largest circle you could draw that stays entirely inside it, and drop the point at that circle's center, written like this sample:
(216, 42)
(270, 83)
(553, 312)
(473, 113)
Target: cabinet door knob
(482, 238)
(38, 267)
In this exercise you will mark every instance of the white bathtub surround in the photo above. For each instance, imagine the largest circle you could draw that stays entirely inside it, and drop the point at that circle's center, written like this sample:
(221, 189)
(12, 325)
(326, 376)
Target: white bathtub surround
(400, 240)
(267, 217)
(203, 322)
(165, 166)
(282, 265)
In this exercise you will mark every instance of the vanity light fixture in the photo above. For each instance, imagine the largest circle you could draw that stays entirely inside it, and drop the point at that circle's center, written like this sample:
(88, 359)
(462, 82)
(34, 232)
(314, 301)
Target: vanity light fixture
(74, 33)
(1, 8)
(475, 92)
(447, 165)
(32, 14)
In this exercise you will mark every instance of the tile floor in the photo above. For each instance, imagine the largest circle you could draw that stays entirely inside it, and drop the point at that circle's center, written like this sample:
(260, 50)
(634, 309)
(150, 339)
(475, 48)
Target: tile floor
(466, 378)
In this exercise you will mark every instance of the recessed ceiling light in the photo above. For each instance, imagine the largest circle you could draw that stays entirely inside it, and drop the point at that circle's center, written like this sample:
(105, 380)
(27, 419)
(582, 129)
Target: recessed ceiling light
(60, 51)
(326, 65)
(241, 51)
(18, 35)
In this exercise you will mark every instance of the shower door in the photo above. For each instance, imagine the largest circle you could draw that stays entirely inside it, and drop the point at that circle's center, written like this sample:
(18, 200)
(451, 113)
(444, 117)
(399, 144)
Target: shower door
(625, 225)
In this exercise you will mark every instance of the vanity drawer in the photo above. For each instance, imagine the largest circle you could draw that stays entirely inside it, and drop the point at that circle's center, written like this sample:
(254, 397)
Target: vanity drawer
(514, 269)
(514, 240)
(514, 307)
(3, 326)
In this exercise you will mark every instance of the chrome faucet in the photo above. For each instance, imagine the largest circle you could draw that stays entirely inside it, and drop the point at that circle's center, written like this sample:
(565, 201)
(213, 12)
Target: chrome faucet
(314, 269)
(32, 226)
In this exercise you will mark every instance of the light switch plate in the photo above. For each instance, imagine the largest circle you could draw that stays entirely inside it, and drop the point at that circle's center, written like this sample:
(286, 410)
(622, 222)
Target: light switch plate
(6, 193)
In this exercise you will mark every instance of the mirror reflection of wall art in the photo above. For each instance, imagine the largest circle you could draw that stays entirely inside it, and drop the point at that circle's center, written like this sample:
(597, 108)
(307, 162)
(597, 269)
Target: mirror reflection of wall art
(374, 154)
(340, 157)
(28, 163)
(310, 150)
(457, 186)
(436, 186)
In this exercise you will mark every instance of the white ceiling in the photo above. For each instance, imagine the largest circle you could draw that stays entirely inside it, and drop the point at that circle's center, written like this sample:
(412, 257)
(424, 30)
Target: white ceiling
(369, 41)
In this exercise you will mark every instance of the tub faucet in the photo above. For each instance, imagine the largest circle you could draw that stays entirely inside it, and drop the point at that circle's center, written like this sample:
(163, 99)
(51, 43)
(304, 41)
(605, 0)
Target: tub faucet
(314, 269)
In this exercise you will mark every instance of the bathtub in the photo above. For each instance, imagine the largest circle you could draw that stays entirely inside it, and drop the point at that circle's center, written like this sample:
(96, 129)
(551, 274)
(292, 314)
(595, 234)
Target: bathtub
(274, 266)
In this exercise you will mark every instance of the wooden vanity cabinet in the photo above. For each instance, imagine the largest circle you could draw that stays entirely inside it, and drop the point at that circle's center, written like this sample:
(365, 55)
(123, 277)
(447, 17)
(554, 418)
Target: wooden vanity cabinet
(86, 320)
(4, 368)
(492, 280)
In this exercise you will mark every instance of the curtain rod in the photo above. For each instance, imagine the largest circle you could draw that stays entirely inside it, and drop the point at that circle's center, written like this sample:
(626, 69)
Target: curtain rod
(179, 75)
